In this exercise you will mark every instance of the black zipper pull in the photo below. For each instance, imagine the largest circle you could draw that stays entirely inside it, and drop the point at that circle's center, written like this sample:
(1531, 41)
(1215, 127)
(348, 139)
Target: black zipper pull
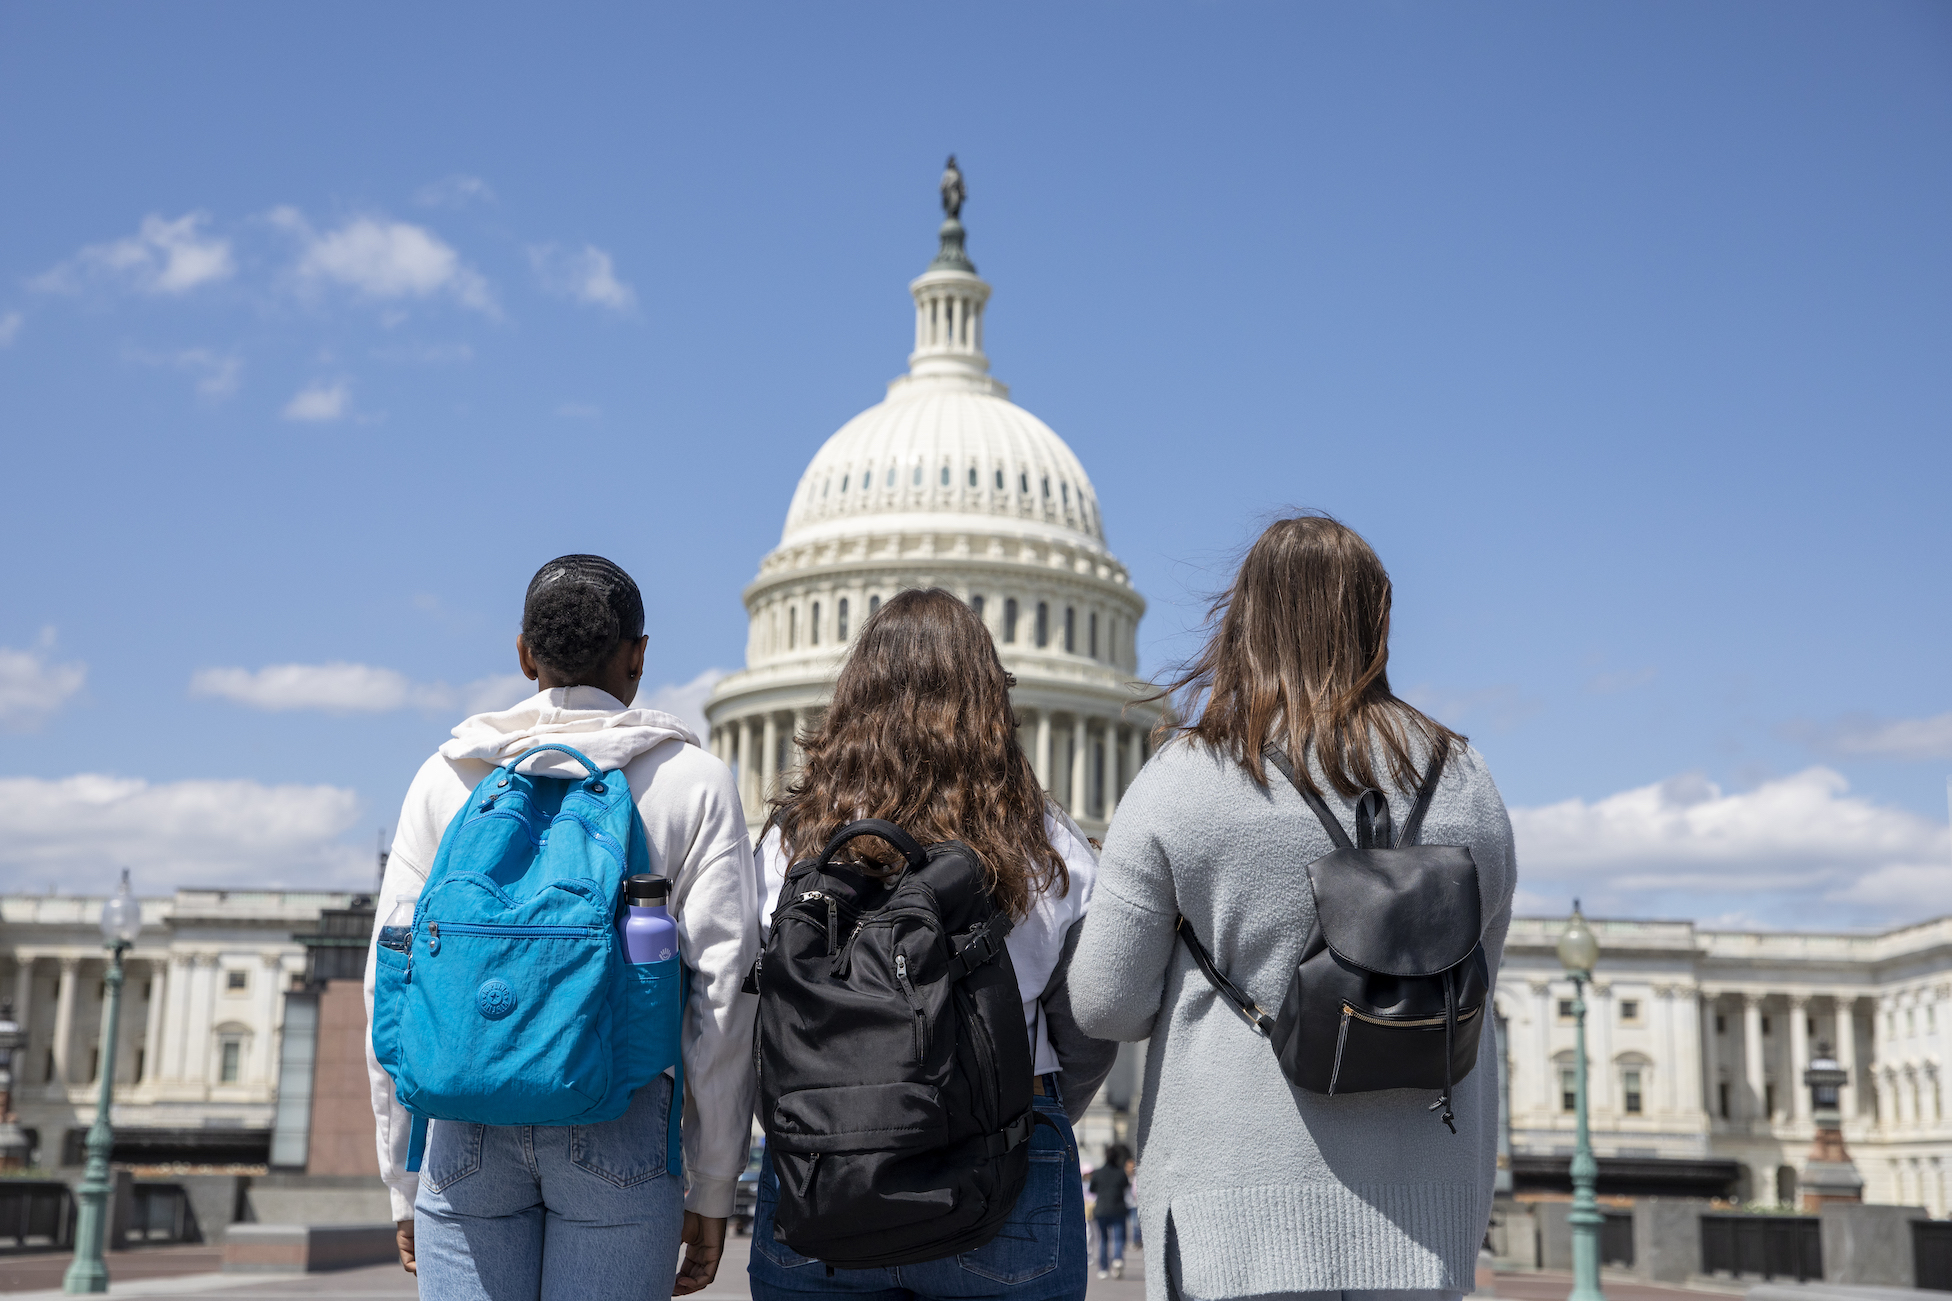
(833, 925)
(914, 1002)
(840, 959)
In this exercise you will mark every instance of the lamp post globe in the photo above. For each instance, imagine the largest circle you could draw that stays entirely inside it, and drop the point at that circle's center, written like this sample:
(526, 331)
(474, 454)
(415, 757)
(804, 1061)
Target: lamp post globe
(121, 924)
(1579, 951)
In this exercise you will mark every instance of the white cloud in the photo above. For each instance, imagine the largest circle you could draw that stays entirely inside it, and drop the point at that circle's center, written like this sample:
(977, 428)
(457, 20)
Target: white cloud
(32, 687)
(163, 257)
(684, 700)
(1504, 707)
(10, 328)
(455, 191)
(79, 831)
(1897, 738)
(587, 276)
(1797, 851)
(343, 688)
(385, 261)
(318, 403)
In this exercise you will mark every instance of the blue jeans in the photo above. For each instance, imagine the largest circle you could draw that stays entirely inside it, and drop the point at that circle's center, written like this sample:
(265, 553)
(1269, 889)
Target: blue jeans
(1039, 1254)
(1111, 1234)
(551, 1212)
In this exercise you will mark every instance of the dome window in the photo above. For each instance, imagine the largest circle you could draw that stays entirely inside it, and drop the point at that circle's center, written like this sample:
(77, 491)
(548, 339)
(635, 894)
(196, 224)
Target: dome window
(1047, 487)
(918, 476)
(1065, 488)
(972, 476)
(1043, 635)
(1023, 482)
(1092, 624)
(874, 603)
(999, 481)
(976, 606)
(1070, 630)
(843, 482)
(841, 611)
(945, 476)
(891, 476)
(792, 627)
(813, 629)
(1009, 616)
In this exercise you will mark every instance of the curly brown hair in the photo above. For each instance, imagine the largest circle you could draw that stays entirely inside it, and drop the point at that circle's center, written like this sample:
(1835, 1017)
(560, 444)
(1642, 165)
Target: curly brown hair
(921, 732)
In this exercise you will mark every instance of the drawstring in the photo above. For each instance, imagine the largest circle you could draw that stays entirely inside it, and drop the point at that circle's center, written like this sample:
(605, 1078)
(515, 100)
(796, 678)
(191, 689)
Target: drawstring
(1450, 1022)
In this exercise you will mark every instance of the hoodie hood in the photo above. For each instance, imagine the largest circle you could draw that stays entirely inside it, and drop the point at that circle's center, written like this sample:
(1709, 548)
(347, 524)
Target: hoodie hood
(588, 719)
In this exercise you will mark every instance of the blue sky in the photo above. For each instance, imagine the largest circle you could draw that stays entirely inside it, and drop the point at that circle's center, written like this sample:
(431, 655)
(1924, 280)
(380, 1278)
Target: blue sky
(1621, 330)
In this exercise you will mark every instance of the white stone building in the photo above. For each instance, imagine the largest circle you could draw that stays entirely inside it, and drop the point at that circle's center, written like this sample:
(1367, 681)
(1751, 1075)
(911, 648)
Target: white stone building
(1697, 1041)
(947, 483)
(202, 1010)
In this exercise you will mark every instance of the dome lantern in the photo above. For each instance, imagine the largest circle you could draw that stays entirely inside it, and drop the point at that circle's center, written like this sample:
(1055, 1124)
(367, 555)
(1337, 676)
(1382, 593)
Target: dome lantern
(949, 299)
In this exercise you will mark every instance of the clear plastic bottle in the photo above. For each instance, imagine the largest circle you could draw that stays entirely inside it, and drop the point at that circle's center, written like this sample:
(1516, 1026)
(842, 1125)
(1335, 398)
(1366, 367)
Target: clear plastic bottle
(649, 933)
(396, 932)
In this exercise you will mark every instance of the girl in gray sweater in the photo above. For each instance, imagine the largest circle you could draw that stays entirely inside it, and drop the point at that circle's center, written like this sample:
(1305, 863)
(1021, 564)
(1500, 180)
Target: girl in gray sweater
(1254, 1187)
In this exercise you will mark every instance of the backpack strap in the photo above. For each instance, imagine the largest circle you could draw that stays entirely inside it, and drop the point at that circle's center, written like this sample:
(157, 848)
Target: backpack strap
(1011, 1135)
(1336, 834)
(1435, 770)
(416, 1143)
(983, 944)
(674, 1120)
(1251, 1012)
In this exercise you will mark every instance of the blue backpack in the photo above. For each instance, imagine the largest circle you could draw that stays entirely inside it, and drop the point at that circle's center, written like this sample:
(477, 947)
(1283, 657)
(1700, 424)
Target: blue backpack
(510, 1000)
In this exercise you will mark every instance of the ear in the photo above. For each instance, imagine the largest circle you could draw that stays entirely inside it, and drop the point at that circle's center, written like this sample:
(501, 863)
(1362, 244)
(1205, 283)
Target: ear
(526, 660)
(634, 664)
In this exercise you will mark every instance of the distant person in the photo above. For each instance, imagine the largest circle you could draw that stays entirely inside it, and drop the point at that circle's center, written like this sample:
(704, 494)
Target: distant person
(920, 733)
(1109, 1184)
(1320, 1159)
(571, 1211)
(1132, 1201)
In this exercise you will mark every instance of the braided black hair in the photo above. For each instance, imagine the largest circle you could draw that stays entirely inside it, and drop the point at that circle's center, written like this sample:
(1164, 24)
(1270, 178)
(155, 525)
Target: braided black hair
(578, 610)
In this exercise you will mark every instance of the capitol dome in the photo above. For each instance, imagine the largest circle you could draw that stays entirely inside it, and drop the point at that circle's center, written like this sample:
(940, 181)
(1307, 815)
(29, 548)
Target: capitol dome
(947, 483)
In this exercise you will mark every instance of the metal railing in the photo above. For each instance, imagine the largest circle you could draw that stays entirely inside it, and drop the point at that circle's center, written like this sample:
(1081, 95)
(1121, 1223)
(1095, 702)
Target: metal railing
(1931, 1254)
(36, 1215)
(1762, 1246)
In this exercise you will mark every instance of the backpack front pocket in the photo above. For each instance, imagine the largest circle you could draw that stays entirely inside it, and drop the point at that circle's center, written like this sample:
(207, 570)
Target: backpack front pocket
(507, 1024)
(1381, 1052)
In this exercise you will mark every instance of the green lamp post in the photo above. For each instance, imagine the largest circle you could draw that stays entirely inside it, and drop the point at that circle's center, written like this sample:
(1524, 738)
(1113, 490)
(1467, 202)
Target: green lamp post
(1579, 949)
(121, 923)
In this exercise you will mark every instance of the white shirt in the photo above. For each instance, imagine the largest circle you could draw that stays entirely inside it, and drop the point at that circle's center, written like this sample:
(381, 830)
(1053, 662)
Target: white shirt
(695, 830)
(1035, 944)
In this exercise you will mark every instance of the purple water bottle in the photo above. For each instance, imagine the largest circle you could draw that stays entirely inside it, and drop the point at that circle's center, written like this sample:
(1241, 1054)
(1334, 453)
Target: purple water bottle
(649, 933)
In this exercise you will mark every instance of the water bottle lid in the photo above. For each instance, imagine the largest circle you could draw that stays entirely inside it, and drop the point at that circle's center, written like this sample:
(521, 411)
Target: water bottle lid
(647, 889)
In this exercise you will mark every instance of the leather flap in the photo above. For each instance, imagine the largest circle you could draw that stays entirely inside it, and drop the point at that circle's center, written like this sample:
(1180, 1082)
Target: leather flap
(1399, 912)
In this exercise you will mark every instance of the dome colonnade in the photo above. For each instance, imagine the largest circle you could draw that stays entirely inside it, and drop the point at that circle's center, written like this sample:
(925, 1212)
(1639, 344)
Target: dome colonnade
(947, 483)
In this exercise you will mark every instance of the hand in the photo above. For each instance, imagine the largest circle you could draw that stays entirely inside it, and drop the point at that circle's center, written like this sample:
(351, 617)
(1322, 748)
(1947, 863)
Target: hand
(704, 1241)
(403, 1239)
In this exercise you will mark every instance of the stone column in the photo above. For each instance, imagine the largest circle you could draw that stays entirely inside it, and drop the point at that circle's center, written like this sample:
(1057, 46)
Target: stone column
(152, 1035)
(64, 1022)
(1799, 1056)
(264, 1065)
(1669, 1064)
(23, 1015)
(1545, 1095)
(1848, 1098)
(1136, 743)
(1599, 1040)
(196, 1039)
(1114, 755)
(743, 738)
(1752, 1064)
(1043, 757)
(769, 759)
(1080, 769)
(1711, 1060)
(176, 1044)
(799, 729)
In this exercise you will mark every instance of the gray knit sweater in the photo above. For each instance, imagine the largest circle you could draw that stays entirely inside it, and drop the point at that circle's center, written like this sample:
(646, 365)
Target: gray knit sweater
(1250, 1186)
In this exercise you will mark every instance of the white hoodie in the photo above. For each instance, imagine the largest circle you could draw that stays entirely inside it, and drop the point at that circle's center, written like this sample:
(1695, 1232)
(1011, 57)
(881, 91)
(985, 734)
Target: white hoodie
(696, 830)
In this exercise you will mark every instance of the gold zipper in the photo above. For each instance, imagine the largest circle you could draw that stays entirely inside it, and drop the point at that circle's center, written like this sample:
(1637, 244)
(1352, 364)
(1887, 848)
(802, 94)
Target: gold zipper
(1394, 1024)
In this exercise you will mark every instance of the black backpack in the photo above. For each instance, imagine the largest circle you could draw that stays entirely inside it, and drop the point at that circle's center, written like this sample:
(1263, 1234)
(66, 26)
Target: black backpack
(894, 1070)
(1392, 988)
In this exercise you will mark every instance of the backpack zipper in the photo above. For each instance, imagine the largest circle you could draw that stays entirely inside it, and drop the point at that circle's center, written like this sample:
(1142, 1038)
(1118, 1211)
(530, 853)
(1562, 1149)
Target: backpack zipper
(915, 1002)
(1341, 1041)
(840, 966)
(985, 1053)
(833, 917)
(1403, 1023)
(520, 932)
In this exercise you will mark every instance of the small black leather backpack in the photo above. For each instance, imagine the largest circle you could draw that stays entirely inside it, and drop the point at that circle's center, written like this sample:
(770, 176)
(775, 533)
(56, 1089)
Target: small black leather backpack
(1392, 986)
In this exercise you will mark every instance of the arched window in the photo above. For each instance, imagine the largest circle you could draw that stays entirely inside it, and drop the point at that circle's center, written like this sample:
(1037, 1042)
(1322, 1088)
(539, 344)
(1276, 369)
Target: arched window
(1043, 625)
(843, 481)
(916, 481)
(972, 476)
(792, 627)
(874, 603)
(1070, 630)
(999, 481)
(1010, 619)
(1047, 487)
(976, 606)
(825, 486)
(891, 476)
(841, 610)
(1094, 633)
(945, 475)
(1023, 481)
(813, 626)
(1065, 489)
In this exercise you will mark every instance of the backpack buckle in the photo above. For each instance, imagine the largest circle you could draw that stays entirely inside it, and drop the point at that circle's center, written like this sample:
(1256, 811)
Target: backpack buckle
(982, 947)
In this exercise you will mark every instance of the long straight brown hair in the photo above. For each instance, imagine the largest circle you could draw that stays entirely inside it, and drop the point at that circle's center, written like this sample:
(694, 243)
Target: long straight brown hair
(920, 732)
(1300, 643)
